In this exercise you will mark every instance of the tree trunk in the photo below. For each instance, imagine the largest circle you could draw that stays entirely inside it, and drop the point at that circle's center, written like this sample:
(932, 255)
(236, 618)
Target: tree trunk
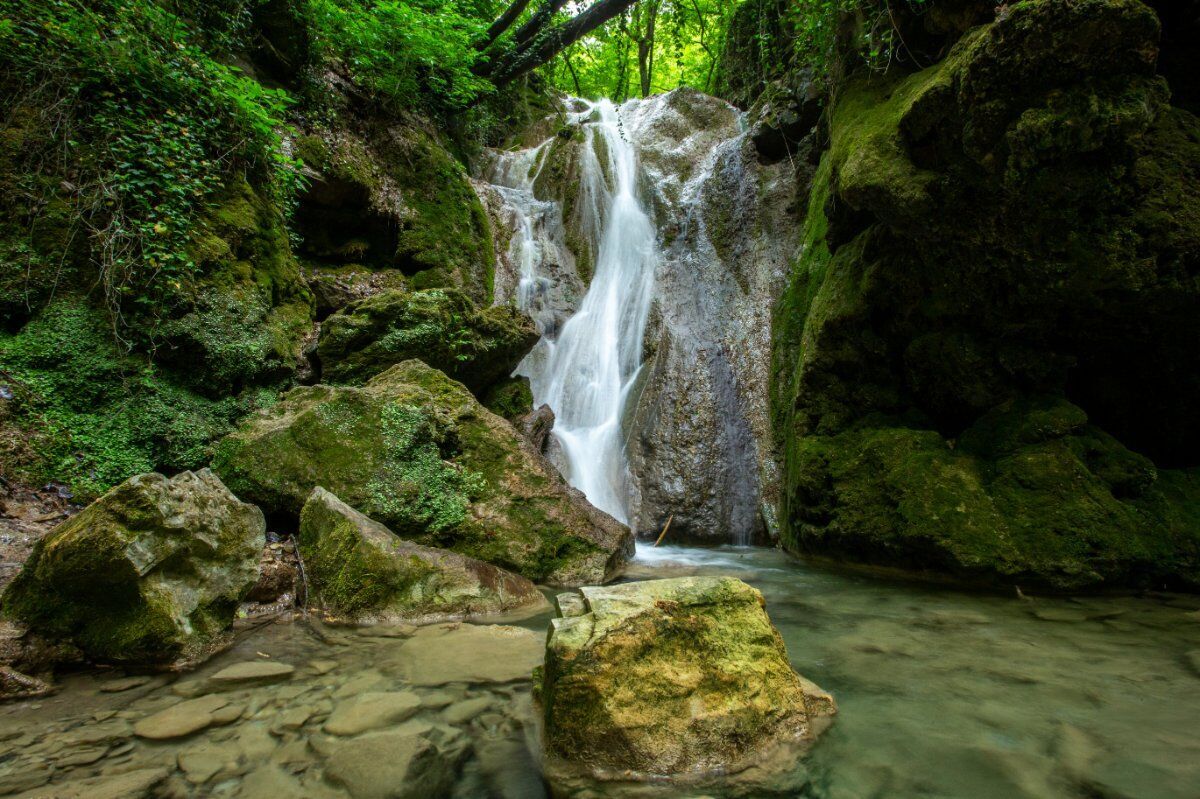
(535, 47)
(503, 23)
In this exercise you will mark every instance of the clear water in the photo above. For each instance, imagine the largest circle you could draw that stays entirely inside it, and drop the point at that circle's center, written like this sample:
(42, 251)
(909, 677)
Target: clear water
(941, 694)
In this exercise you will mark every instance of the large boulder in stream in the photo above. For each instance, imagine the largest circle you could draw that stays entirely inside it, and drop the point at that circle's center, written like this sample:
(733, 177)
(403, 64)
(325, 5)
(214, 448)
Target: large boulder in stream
(682, 678)
(361, 571)
(441, 327)
(415, 451)
(150, 573)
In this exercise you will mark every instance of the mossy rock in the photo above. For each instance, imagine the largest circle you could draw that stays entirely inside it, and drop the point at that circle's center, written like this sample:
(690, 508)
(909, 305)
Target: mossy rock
(150, 573)
(361, 571)
(441, 327)
(1000, 238)
(415, 451)
(1031, 495)
(396, 198)
(511, 398)
(671, 678)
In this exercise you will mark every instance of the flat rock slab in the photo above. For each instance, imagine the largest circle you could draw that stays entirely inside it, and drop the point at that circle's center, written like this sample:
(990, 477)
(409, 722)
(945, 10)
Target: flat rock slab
(371, 711)
(469, 653)
(179, 720)
(252, 672)
(131, 785)
(464, 711)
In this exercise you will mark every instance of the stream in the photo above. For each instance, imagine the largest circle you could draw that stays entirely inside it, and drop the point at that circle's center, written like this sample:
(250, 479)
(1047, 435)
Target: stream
(941, 694)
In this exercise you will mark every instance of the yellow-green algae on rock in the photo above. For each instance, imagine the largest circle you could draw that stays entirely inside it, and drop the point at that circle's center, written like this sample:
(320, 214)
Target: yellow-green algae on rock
(680, 677)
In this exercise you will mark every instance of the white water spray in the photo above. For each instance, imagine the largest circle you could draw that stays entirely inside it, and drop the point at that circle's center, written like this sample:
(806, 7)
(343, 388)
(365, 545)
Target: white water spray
(585, 373)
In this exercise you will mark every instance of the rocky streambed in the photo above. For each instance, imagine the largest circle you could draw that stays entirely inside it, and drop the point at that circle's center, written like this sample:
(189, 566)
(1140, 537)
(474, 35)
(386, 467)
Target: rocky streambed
(940, 694)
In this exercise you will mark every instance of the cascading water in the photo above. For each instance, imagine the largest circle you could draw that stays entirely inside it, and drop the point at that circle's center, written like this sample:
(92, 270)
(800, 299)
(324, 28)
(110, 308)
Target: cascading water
(585, 372)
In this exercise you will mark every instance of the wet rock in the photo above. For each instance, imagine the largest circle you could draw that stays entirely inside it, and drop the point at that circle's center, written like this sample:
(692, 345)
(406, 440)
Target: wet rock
(698, 429)
(397, 764)
(464, 711)
(672, 677)
(251, 672)
(416, 452)
(467, 653)
(277, 576)
(205, 761)
(358, 569)
(1193, 660)
(536, 426)
(185, 718)
(151, 572)
(442, 327)
(370, 711)
(570, 603)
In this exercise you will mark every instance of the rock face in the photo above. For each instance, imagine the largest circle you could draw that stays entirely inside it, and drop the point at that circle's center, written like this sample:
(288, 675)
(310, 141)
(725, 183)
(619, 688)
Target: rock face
(984, 361)
(441, 327)
(359, 569)
(151, 572)
(697, 426)
(677, 677)
(416, 451)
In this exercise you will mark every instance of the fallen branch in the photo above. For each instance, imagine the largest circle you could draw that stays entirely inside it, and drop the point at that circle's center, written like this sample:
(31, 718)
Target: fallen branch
(666, 527)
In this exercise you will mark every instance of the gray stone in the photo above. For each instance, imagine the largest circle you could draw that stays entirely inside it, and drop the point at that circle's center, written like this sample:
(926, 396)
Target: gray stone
(464, 711)
(123, 684)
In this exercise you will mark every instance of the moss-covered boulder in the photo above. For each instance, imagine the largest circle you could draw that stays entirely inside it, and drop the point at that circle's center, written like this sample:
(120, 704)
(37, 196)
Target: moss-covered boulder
(1031, 495)
(671, 678)
(441, 327)
(150, 573)
(416, 451)
(361, 571)
(1009, 235)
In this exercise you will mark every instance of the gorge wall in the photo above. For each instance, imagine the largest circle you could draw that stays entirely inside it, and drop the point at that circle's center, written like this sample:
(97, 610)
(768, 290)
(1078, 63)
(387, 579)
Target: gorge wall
(985, 361)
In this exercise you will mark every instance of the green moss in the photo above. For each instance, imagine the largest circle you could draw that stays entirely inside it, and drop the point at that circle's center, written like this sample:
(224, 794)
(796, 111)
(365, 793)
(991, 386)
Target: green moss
(992, 257)
(510, 398)
(97, 415)
(351, 576)
(447, 227)
(441, 327)
(415, 451)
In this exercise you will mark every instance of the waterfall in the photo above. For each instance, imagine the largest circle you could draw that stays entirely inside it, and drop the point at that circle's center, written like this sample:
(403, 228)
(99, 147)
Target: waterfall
(584, 370)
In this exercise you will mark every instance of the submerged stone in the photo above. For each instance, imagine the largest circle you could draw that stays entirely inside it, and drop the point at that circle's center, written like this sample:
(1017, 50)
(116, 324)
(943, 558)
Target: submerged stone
(441, 327)
(681, 677)
(185, 718)
(252, 672)
(415, 451)
(398, 764)
(149, 573)
(371, 710)
(469, 653)
(360, 569)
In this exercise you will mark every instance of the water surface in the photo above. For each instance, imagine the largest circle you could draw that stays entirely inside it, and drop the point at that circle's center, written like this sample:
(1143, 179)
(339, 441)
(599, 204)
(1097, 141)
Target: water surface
(941, 694)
